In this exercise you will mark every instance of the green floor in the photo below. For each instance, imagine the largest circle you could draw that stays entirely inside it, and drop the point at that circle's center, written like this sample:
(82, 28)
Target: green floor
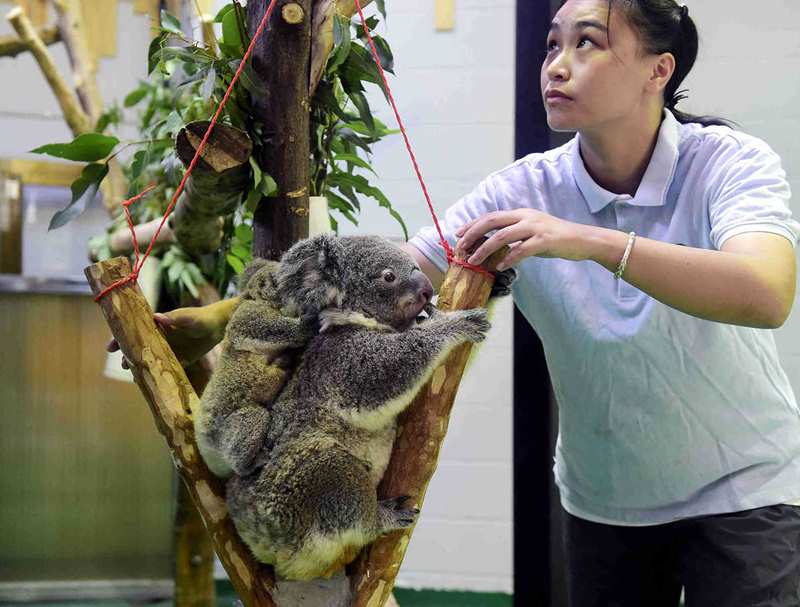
(406, 598)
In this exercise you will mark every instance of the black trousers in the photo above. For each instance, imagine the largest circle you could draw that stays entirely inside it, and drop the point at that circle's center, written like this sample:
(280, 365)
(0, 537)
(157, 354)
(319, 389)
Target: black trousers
(742, 559)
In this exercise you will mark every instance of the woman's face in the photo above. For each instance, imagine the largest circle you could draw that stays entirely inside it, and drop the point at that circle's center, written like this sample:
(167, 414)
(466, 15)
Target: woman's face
(602, 86)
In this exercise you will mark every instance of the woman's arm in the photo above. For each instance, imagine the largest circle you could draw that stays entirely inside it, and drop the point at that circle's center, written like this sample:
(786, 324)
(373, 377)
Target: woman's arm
(750, 282)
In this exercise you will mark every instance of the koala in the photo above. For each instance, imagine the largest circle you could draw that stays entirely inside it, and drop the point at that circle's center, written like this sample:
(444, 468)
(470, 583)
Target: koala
(313, 504)
(259, 352)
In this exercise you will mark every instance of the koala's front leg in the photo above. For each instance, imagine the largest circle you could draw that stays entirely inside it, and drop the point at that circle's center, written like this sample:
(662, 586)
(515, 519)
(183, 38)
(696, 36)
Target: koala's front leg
(258, 327)
(386, 370)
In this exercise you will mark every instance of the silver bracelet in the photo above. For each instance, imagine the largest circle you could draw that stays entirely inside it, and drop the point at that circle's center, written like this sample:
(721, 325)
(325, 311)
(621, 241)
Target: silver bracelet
(624, 262)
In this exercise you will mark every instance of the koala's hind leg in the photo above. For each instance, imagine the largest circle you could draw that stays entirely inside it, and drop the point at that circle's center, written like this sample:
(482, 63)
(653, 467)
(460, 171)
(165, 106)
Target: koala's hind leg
(243, 437)
(392, 515)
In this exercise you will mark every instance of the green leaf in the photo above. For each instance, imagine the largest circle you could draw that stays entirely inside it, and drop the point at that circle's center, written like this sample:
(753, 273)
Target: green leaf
(173, 125)
(381, 4)
(256, 172)
(136, 95)
(109, 117)
(360, 101)
(241, 251)
(356, 160)
(83, 190)
(154, 52)
(222, 12)
(235, 263)
(170, 23)
(341, 40)
(208, 85)
(243, 233)
(230, 30)
(340, 204)
(268, 186)
(84, 148)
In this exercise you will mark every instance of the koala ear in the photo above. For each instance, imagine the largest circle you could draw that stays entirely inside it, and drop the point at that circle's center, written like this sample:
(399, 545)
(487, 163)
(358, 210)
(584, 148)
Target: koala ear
(311, 273)
(249, 271)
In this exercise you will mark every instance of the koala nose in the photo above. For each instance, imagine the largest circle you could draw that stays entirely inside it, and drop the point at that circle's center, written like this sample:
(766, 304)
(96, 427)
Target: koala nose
(423, 284)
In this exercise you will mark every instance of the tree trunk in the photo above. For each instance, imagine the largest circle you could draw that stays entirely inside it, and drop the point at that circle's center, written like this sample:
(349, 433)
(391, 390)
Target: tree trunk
(420, 432)
(167, 390)
(281, 60)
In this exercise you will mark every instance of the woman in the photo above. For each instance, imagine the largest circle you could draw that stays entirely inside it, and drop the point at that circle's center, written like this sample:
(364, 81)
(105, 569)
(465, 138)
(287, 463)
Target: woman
(670, 245)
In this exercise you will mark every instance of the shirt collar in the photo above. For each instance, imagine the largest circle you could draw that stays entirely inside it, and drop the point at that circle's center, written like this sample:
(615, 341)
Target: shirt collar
(652, 190)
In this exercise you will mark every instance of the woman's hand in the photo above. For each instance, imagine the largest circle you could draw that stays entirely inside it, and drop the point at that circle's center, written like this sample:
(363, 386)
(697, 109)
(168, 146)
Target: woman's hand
(191, 332)
(528, 233)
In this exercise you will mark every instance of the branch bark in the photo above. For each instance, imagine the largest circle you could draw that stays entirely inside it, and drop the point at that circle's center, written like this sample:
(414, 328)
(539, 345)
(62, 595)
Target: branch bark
(11, 46)
(420, 433)
(73, 33)
(171, 398)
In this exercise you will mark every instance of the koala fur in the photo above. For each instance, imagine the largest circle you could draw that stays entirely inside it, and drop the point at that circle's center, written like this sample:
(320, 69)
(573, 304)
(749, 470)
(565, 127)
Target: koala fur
(259, 352)
(332, 428)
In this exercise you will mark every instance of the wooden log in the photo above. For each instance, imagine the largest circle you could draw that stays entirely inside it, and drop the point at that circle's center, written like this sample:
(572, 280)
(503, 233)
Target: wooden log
(215, 186)
(76, 118)
(171, 398)
(421, 430)
(11, 46)
(281, 59)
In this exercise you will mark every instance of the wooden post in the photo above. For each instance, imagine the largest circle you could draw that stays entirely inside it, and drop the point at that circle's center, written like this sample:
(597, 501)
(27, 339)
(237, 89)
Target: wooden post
(421, 430)
(167, 390)
(281, 61)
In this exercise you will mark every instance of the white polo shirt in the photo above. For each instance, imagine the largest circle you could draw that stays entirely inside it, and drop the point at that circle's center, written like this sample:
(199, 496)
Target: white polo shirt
(662, 415)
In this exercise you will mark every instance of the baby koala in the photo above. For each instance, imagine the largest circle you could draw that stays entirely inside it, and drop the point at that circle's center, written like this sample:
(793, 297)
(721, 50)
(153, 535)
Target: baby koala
(259, 352)
(332, 429)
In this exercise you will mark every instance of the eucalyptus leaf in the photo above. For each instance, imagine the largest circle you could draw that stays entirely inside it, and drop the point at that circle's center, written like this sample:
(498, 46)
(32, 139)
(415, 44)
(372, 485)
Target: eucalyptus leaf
(170, 23)
(222, 12)
(355, 160)
(136, 95)
(83, 189)
(88, 147)
(154, 52)
(230, 30)
(235, 263)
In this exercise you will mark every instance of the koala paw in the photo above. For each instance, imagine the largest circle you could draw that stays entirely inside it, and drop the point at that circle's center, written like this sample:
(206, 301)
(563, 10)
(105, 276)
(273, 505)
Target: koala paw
(472, 324)
(393, 514)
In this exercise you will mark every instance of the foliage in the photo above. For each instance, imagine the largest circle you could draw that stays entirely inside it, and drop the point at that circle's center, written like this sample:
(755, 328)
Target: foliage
(186, 81)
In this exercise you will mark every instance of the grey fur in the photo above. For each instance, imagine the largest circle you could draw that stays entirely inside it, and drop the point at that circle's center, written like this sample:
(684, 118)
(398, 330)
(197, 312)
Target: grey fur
(259, 352)
(332, 428)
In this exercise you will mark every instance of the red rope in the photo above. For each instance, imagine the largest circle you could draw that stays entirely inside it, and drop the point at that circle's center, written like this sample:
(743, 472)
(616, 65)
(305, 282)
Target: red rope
(137, 266)
(451, 258)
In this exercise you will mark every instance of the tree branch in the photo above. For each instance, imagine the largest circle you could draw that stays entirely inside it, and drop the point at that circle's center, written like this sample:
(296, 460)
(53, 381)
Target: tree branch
(167, 390)
(11, 46)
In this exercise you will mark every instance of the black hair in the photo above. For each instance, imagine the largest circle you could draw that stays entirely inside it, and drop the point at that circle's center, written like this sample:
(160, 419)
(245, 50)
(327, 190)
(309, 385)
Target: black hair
(664, 26)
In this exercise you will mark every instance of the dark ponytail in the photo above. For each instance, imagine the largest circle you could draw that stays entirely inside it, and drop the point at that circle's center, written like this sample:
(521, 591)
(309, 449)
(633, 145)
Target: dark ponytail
(664, 26)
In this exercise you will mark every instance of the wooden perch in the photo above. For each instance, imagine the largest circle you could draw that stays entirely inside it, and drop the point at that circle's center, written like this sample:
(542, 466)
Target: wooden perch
(420, 432)
(84, 65)
(215, 186)
(77, 120)
(322, 37)
(11, 46)
(167, 390)
(121, 241)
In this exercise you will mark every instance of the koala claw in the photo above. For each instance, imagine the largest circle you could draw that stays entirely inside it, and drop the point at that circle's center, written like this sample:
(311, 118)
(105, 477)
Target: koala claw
(474, 324)
(398, 518)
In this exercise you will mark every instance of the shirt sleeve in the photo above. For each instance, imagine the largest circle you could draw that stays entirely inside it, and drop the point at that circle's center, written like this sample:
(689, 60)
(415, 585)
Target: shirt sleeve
(480, 201)
(751, 195)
